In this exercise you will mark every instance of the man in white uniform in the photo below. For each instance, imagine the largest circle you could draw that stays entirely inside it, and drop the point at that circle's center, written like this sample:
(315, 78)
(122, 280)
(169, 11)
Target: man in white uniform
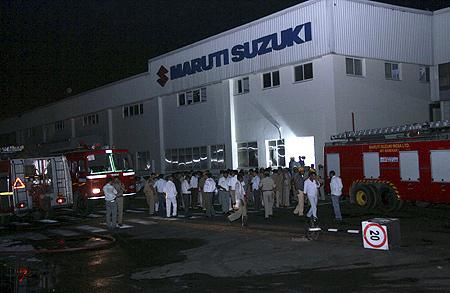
(159, 186)
(193, 183)
(241, 202)
(255, 190)
(311, 190)
(170, 192)
(209, 189)
(111, 204)
(186, 195)
(224, 194)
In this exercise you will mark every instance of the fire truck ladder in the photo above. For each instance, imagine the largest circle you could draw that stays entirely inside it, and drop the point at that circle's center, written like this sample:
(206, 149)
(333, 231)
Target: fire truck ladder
(20, 194)
(407, 130)
(63, 187)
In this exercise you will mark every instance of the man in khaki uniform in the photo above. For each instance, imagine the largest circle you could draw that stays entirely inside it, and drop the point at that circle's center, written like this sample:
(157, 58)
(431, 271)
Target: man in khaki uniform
(150, 194)
(267, 188)
(120, 188)
(278, 179)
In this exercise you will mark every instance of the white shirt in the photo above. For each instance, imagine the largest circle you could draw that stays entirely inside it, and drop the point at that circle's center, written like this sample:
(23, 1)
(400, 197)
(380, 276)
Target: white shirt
(240, 191)
(185, 187)
(210, 185)
(159, 185)
(232, 182)
(170, 190)
(255, 182)
(311, 187)
(336, 185)
(110, 192)
(223, 182)
(194, 182)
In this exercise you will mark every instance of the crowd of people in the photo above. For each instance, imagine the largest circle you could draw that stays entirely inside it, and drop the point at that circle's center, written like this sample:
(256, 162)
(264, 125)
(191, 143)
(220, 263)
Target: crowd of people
(234, 191)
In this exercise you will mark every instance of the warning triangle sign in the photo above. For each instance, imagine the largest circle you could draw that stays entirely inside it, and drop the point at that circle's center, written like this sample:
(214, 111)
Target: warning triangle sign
(18, 184)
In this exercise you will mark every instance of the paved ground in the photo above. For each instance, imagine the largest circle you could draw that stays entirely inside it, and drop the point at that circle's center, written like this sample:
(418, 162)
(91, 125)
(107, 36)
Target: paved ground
(152, 254)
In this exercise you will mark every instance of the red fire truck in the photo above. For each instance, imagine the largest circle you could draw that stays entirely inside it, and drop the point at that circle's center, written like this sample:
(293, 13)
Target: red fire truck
(34, 185)
(90, 169)
(382, 168)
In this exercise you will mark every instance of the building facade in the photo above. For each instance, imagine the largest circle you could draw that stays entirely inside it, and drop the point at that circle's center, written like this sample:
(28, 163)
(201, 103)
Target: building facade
(256, 95)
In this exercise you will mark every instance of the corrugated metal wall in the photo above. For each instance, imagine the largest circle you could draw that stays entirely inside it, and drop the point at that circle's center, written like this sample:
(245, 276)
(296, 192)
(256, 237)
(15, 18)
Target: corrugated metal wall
(441, 36)
(315, 13)
(380, 32)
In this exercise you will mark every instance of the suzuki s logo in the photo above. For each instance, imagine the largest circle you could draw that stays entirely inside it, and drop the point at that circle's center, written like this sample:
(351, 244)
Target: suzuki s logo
(163, 79)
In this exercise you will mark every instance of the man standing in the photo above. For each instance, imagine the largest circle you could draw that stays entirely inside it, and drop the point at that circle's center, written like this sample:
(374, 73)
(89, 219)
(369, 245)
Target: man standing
(278, 179)
(232, 184)
(111, 204)
(150, 194)
(186, 195)
(170, 192)
(224, 194)
(201, 184)
(287, 182)
(311, 190)
(120, 188)
(255, 190)
(299, 183)
(193, 183)
(336, 192)
(241, 202)
(209, 189)
(159, 186)
(267, 186)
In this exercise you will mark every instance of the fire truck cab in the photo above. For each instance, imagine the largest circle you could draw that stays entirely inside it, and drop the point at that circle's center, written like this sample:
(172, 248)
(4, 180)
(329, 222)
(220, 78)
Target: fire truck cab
(34, 185)
(382, 168)
(90, 169)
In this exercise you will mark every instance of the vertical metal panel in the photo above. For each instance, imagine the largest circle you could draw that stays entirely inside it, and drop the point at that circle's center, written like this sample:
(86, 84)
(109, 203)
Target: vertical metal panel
(441, 36)
(380, 32)
(314, 13)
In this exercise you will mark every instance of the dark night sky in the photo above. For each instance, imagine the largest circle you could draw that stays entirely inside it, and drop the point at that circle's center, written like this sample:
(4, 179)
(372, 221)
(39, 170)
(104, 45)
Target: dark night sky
(49, 46)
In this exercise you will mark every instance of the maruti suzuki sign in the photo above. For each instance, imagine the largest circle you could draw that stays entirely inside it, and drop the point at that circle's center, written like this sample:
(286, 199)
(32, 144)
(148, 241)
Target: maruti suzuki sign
(248, 50)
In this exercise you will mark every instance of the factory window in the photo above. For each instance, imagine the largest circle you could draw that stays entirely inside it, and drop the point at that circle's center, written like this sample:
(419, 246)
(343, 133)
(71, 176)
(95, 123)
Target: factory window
(303, 72)
(192, 97)
(90, 120)
(195, 158)
(248, 154)
(354, 66)
(424, 73)
(392, 71)
(444, 77)
(277, 156)
(271, 79)
(218, 157)
(59, 125)
(241, 86)
(143, 161)
(133, 110)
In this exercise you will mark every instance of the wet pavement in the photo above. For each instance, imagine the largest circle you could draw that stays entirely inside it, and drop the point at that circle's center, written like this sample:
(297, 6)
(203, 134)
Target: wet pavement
(152, 254)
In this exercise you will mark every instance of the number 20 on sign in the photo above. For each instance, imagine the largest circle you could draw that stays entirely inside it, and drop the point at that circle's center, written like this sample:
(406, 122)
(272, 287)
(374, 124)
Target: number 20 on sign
(375, 236)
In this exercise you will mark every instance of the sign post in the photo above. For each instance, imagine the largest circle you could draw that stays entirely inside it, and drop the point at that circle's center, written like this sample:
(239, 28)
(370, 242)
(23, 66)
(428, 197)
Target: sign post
(381, 234)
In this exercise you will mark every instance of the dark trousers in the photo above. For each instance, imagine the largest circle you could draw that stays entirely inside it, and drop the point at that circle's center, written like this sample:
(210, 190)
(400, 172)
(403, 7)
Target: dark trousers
(186, 204)
(161, 205)
(257, 199)
(194, 198)
(208, 204)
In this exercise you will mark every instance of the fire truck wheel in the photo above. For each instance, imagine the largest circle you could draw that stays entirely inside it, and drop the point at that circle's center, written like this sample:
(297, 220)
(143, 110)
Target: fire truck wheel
(364, 196)
(374, 193)
(389, 200)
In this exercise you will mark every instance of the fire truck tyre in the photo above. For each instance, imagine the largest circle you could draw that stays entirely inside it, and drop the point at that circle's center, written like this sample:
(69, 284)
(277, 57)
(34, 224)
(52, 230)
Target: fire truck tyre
(374, 192)
(364, 197)
(389, 200)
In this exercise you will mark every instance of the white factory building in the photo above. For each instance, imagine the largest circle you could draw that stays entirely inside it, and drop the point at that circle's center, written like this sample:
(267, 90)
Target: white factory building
(258, 94)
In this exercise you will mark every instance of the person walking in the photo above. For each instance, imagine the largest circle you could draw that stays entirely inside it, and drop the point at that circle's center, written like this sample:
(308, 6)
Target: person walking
(150, 194)
(336, 192)
(111, 204)
(186, 195)
(311, 190)
(241, 202)
(255, 190)
(170, 192)
(120, 188)
(209, 189)
(159, 186)
(224, 194)
(267, 186)
(278, 179)
(298, 185)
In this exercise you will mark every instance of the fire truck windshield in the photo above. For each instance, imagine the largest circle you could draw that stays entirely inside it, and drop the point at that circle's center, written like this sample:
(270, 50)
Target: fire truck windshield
(109, 162)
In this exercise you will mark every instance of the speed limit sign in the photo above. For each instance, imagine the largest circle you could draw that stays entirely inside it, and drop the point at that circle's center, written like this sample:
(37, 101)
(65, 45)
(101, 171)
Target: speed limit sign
(375, 236)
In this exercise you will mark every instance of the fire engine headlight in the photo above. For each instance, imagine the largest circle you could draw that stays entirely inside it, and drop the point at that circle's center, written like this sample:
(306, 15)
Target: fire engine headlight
(95, 190)
(21, 205)
(60, 200)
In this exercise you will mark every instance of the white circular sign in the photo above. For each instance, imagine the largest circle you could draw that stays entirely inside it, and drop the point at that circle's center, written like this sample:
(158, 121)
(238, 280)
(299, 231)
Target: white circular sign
(375, 236)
